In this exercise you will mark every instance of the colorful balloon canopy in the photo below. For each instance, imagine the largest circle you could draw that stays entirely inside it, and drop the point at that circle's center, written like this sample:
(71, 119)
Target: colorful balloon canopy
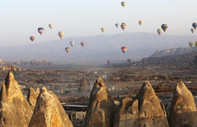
(140, 22)
(50, 26)
(67, 49)
(123, 3)
(117, 25)
(123, 26)
(124, 49)
(40, 30)
(103, 29)
(61, 34)
(159, 31)
(194, 25)
(72, 43)
(190, 44)
(164, 27)
(32, 38)
(82, 44)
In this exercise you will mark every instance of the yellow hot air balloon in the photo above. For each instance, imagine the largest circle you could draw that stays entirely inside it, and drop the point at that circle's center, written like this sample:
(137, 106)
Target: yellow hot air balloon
(159, 31)
(61, 34)
(190, 44)
(123, 3)
(67, 49)
(123, 26)
(140, 22)
(50, 26)
(103, 29)
(196, 44)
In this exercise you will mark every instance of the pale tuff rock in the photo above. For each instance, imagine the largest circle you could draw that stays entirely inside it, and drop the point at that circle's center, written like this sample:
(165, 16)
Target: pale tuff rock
(144, 111)
(49, 112)
(149, 104)
(32, 97)
(15, 110)
(183, 108)
(100, 109)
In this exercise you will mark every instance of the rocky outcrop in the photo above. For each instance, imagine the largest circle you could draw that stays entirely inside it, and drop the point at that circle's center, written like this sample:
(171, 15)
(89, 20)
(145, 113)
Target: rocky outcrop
(100, 108)
(183, 108)
(144, 110)
(49, 112)
(15, 111)
(32, 97)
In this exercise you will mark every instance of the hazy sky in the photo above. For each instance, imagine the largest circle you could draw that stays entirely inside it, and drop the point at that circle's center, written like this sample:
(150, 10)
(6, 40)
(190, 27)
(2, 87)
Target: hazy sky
(21, 18)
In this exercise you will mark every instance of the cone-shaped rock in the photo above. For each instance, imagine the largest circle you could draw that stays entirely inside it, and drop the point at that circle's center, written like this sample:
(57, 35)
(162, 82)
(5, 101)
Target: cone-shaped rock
(146, 110)
(32, 97)
(15, 110)
(100, 108)
(183, 108)
(49, 112)
(149, 104)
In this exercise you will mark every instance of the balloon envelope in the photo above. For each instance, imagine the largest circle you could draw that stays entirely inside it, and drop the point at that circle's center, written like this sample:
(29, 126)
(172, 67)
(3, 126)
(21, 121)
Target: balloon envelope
(50, 26)
(164, 27)
(72, 43)
(123, 26)
(196, 44)
(117, 25)
(192, 30)
(190, 44)
(40, 30)
(82, 44)
(32, 38)
(61, 34)
(159, 31)
(67, 49)
(194, 25)
(103, 29)
(124, 49)
(123, 3)
(140, 22)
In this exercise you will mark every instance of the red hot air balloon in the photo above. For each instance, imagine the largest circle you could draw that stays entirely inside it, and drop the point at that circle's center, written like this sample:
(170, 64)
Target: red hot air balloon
(32, 38)
(82, 44)
(124, 49)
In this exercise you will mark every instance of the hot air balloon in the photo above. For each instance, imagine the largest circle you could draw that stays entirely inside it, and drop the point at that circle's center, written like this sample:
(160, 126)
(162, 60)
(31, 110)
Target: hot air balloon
(82, 44)
(40, 30)
(164, 27)
(124, 49)
(50, 26)
(140, 22)
(67, 49)
(72, 43)
(190, 44)
(159, 31)
(32, 38)
(194, 25)
(123, 26)
(61, 34)
(103, 29)
(117, 25)
(192, 30)
(123, 3)
(196, 44)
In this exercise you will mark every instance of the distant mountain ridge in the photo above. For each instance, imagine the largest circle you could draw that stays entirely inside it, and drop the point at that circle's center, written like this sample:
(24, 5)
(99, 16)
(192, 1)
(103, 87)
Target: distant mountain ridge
(174, 51)
(97, 48)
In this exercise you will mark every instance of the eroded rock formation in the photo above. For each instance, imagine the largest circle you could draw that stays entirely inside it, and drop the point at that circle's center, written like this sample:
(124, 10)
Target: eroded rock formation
(32, 97)
(100, 109)
(49, 112)
(183, 108)
(15, 111)
(144, 110)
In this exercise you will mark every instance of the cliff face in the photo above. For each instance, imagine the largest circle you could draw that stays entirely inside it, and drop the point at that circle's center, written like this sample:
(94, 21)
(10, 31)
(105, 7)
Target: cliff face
(145, 110)
(183, 108)
(100, 109)
(49, 112)
(15, 111)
